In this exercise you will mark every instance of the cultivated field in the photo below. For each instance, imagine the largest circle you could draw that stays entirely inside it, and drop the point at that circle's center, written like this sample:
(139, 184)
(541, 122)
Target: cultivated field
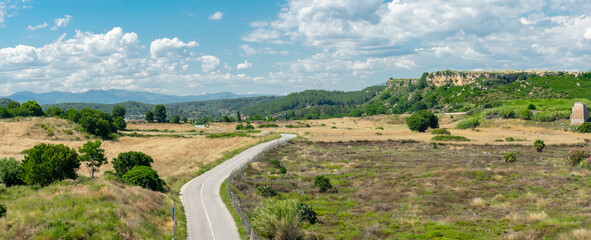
(410, 190)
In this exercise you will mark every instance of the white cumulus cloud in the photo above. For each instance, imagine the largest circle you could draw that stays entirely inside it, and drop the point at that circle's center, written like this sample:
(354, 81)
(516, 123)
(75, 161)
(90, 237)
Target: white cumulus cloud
(244, 65)
(209, 63)
(171, 48)
(216, 16)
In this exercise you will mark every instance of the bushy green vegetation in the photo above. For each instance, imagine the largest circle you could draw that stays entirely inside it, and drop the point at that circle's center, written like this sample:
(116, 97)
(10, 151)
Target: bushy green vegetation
(46, 163)
(539, 145)
(282, 219)
(144, 176)
(266, 191)
(14, 108)
(9, 168)
(469, 122)
(509, 157)
(576, 156)
(584, 128)
(440, 131)
(125, 161)
(2, 210)
(450, 138)
(322, 183)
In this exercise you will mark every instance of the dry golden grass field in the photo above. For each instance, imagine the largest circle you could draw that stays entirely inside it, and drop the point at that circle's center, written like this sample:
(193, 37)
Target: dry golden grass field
(172, 155)
(394, 128)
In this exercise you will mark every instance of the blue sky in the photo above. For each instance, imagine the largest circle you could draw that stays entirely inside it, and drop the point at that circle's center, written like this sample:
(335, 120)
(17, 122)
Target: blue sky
(275, 47)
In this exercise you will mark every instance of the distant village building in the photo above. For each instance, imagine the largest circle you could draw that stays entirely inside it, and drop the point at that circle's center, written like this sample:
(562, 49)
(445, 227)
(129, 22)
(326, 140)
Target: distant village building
(580, 114)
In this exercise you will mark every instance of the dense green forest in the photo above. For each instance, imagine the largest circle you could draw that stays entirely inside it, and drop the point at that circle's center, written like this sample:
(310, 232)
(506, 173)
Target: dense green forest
(199, 109)
(314, 104)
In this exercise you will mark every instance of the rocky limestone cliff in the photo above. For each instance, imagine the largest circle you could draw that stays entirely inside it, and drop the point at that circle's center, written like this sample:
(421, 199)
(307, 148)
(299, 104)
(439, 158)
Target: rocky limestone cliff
(462, 78)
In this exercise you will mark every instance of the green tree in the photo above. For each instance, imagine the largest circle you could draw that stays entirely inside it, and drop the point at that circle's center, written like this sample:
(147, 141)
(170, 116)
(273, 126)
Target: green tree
(9, 168)
(54, 111)
(73, 115)
(119, 123)
(46, 163)
(184, 120)
(96, 122)
(5, 113)
(93, 155)
(433, 120)
(125, 161)
(176, 119)
(145, 177)
(149, 116)
(238, 117)
(32, 108)
(160, 113)
(416, 122)
(13, 105)
(118, 111)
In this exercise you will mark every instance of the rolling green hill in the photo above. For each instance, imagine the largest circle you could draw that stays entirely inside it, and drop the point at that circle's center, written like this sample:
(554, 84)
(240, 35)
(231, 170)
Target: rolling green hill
(314, 104)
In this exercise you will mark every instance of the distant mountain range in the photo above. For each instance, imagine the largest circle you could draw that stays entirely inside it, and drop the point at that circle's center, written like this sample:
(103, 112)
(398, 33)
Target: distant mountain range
(117, 96)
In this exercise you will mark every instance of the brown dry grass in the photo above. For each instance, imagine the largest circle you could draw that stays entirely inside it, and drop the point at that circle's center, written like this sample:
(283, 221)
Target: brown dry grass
(172, 156)
(353, 129)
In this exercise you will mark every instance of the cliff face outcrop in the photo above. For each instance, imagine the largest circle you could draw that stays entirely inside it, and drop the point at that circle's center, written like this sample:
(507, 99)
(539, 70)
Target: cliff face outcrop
(462, 78)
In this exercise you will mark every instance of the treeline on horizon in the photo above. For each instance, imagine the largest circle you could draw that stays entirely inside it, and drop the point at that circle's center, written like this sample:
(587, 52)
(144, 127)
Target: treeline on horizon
(403, 96)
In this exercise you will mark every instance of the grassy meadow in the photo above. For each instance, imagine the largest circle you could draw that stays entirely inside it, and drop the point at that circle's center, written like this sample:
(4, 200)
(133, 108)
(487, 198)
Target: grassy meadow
(411, 190)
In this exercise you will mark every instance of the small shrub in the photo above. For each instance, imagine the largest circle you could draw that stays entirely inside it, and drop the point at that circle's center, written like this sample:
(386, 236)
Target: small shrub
(507, 113)
(333, 127)
(434, 145)
(576, 155)
(510, 139)
(584, 128)
(379, 128)
(322, 182)
(450, 138)
(145, 177)
(531, 106)
(440, 131)
(283, 170)
(539, 145)
(2, 210)
(276, 163)
(509, 157)
(308, 214)
(433, 120)
(468, 123)
(9, 168)
(248, 126)
(240, 127)
(268, 125)
(266, 191)
(126, 161)
(525, 114)
(278, 219)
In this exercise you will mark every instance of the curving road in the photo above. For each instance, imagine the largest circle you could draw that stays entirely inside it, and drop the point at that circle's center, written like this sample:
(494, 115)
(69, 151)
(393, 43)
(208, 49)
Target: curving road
(207, 216)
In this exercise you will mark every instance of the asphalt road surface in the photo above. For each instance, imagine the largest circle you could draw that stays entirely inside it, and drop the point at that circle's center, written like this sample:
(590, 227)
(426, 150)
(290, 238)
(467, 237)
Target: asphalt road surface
(207, 216)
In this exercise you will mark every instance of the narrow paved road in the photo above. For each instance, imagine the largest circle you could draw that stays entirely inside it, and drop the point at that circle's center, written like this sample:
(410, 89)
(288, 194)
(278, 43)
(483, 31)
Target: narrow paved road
(207, 216)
